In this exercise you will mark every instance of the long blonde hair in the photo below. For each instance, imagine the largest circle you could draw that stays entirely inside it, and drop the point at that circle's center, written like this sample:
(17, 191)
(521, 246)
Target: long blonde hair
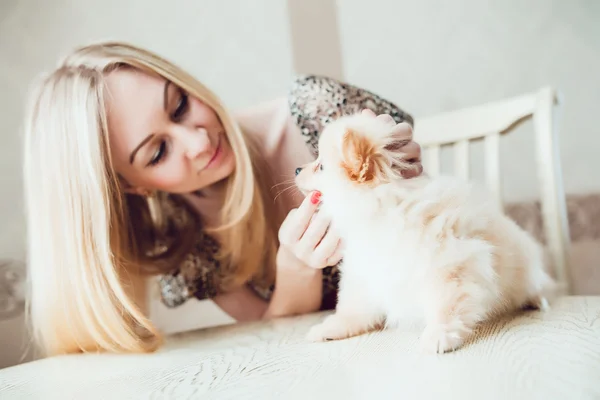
(87, 240)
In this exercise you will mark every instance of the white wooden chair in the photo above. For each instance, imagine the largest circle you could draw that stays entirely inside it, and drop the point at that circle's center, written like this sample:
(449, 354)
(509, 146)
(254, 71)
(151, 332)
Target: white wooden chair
(489, 122)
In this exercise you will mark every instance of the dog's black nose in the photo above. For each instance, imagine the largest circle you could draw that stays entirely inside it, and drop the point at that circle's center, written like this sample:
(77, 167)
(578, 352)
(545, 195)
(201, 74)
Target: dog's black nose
(298, 170)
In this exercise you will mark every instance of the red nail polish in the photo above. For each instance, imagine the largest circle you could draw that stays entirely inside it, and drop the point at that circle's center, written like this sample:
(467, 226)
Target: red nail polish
(315, 198)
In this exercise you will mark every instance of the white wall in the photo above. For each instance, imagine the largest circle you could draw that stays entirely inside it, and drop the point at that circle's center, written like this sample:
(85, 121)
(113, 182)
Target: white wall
(435, 55)
(428, 56)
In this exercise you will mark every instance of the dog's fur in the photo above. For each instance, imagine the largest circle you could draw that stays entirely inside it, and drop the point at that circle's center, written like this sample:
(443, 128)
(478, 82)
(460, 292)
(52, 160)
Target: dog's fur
(431, 249)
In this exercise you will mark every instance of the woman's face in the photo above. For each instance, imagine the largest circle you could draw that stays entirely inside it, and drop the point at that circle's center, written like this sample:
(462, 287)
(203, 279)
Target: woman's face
(161, 138)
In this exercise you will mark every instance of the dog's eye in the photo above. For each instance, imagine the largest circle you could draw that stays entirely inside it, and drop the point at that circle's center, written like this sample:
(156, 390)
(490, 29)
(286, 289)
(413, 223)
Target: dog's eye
(320, 167)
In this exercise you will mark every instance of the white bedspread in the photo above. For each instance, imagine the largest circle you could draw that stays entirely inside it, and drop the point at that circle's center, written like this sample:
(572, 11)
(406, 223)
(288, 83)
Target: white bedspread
(532, 356)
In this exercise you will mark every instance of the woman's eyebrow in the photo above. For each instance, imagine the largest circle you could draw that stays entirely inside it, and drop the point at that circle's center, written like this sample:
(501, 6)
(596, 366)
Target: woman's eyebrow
(139, 146)
(150, 136)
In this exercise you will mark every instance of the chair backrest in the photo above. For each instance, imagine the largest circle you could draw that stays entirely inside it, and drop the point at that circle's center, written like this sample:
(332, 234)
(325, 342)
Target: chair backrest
(489, 122)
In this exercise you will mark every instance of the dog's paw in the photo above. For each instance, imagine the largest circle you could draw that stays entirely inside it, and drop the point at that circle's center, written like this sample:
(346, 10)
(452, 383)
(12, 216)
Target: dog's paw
(442, 338)
(333, 327)
(537, 303)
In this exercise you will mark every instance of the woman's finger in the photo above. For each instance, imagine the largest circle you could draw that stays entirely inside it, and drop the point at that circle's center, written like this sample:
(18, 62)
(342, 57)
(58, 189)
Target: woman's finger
(303, 215)
(326, 249)
(368, 112)
(387, 119)
(285, 235)
(314, 234)
(337, 255)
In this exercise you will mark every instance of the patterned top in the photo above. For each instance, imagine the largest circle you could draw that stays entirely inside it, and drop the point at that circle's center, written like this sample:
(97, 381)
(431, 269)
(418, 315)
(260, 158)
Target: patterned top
(314, 101)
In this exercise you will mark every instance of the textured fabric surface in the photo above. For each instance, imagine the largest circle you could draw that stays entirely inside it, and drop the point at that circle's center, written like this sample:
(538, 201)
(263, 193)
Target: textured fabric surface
(532, 355)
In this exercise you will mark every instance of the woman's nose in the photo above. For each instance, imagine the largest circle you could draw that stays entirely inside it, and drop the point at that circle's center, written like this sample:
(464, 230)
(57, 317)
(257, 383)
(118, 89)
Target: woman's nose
(196, 142)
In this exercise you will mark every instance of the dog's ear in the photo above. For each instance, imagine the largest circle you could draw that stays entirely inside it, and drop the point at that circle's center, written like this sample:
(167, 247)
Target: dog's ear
(358, 157)
(404, 153)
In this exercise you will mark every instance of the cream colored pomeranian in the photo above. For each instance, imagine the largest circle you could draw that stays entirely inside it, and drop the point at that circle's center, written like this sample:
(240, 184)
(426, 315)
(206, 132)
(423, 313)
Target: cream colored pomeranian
(431, 250)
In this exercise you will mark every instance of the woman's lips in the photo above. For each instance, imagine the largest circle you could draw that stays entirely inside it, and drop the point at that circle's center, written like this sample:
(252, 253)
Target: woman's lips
(216, 155)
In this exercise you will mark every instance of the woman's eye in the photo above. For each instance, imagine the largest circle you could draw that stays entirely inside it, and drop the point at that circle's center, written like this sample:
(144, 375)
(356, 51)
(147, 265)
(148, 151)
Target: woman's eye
(182, 107)
(159, 154)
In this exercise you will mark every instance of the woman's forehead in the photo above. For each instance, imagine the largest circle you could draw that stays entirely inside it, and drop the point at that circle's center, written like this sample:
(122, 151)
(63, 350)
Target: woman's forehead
(134, 102)
(125, 85)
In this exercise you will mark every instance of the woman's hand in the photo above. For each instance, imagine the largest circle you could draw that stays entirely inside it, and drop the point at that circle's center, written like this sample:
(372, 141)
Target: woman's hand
(306, 238)
(307, 245)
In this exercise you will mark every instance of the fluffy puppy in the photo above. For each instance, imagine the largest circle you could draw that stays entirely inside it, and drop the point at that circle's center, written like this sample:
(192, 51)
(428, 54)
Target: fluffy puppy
(430, 250)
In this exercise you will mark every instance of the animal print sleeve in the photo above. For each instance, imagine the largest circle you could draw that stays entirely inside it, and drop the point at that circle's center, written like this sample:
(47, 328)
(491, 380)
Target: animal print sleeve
(317, 100)
(198, 274)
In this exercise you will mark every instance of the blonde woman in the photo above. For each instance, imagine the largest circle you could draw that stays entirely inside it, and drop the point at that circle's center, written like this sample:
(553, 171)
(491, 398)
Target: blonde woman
(133, 168)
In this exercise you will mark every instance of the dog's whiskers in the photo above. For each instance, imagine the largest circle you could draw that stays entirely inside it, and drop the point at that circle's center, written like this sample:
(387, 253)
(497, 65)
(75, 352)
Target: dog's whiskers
(286, 182)
(285, 190)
